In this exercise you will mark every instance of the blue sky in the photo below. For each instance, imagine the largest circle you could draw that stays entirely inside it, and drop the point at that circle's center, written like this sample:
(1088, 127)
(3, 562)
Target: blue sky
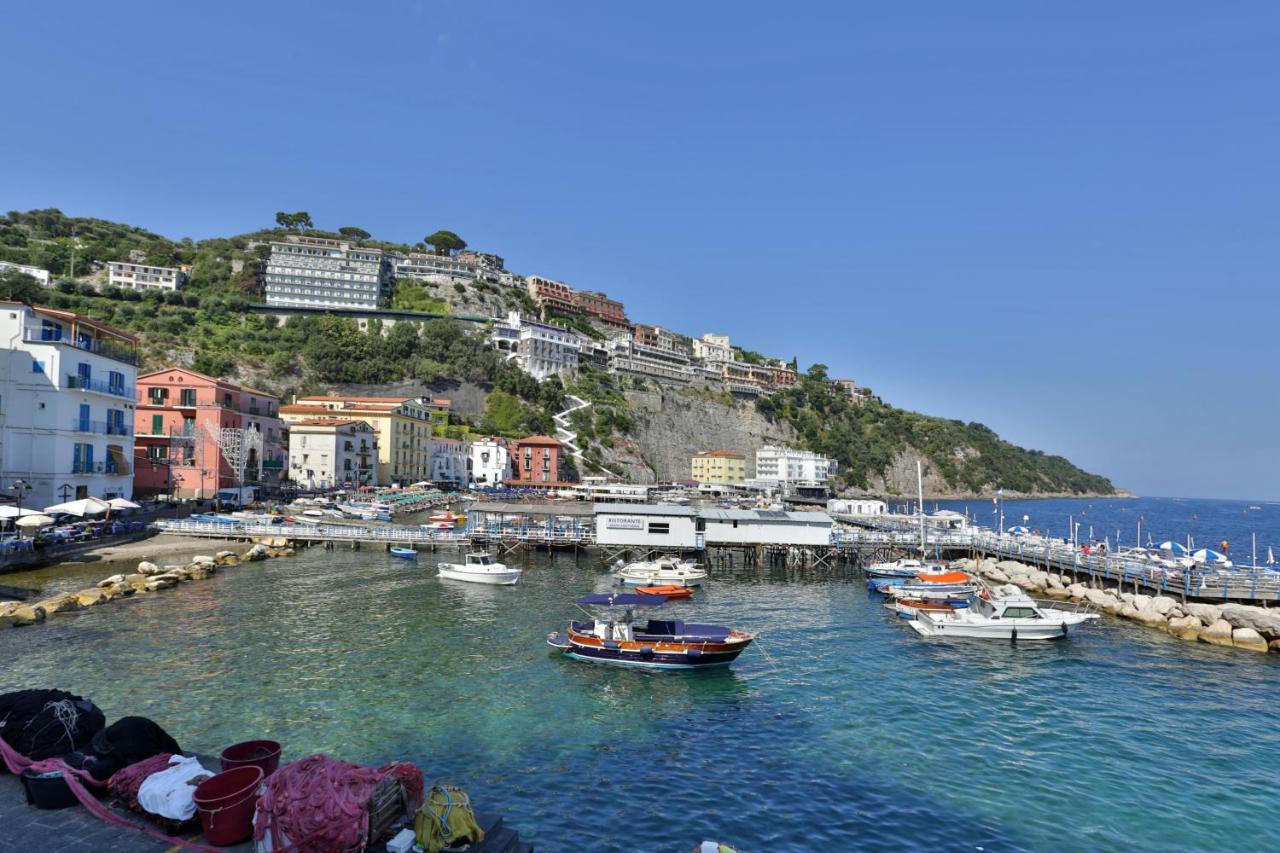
(1057, 219)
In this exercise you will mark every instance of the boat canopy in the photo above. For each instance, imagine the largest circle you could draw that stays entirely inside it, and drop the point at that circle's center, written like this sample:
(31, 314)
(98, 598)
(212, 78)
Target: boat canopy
(945, 577)
(623, 599)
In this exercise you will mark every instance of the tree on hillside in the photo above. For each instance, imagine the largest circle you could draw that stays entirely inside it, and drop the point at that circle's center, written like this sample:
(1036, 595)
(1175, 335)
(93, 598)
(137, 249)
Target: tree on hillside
(297, 221)
(445, 242)
(351, 232)
(19, 287)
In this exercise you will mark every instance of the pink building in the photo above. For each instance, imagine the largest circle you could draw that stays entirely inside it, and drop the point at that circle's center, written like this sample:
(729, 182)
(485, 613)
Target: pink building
(196, 434)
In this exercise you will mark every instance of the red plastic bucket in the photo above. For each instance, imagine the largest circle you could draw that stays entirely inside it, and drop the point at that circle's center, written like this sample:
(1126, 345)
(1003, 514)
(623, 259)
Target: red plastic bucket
(253, 753)
(226, 804)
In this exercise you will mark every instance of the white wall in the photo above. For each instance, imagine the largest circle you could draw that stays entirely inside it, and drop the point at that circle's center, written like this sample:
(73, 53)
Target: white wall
(633, 528)
(762, 532)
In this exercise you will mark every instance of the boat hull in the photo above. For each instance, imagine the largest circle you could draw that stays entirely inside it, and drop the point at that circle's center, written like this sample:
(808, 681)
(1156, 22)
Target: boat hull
(652, 652)
(1011, 631)
(507, 577)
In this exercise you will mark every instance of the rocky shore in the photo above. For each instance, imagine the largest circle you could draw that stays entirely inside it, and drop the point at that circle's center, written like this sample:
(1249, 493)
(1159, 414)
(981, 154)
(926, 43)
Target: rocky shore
(1240, 626)
(148, 578)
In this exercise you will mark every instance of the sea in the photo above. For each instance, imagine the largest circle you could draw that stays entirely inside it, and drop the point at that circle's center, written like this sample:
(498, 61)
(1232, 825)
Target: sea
(840, 729)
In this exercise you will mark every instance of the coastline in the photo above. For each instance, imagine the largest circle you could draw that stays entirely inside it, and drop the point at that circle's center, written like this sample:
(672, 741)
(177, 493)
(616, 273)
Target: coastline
(1119, 494)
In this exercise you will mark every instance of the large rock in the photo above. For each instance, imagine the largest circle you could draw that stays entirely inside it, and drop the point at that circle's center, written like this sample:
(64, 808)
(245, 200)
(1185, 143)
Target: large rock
(1265, 622)
(1150, 617)
(1127, 611)
(90, 597)
(257, 552)
(162, 582)
(1218, 634)
(203, 558)
(1011, 567)
(62, 603)
(996, 575)
(146, 567)
(1206, 613)
(120, 590)
(1104, 601)
(111, 581)
(1057, 593)
(1077, 590)
(1247, 638)
(1140, 602)
(27, 614)
(1055, 581)
(1185, 627)
(1163, 604)
(229, 560)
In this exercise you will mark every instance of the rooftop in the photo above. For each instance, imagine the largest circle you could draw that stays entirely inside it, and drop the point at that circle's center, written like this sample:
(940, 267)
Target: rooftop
(539, 441)
(728, 454)
(328, 422)
(646, 509)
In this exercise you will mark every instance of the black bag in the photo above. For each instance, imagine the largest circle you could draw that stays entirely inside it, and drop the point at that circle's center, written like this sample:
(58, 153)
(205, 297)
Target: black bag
(131, 739)
(46, 723)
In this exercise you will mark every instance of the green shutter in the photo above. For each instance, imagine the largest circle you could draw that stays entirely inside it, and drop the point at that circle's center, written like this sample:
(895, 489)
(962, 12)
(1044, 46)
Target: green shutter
(157, 424)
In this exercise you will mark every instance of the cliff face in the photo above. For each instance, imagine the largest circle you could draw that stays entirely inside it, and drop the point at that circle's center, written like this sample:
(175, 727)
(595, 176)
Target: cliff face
(672, 424)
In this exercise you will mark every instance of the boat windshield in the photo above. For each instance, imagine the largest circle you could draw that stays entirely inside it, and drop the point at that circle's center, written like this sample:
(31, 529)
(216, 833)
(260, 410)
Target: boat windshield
(1020, 613)
(480, 559)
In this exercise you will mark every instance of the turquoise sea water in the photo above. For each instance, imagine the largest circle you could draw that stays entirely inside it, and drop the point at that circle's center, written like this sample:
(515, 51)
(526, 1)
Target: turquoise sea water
(843, 730)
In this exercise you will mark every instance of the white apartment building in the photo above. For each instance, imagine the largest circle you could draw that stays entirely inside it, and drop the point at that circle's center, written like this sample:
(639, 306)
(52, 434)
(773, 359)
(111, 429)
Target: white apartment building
(132, 276)
(38, 274)
(712, 348)
(443, 269)
(448, 461)
(312, 272)
(789, 466)
(490, 462)
(66, 406)
(632, 359)
(327, 454)
(540, 349)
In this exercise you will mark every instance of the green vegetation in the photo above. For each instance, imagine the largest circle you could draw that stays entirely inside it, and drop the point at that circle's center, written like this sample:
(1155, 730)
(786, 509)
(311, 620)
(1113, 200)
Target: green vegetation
(866, 440)
(445, 242)
(573, 322)
(413, 295)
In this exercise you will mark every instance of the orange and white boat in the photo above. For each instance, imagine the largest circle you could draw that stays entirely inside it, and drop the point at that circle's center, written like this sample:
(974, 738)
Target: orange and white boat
(669, 591)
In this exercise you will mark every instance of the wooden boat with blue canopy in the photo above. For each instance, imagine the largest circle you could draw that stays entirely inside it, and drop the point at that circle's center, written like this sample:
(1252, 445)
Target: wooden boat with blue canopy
(615, 636)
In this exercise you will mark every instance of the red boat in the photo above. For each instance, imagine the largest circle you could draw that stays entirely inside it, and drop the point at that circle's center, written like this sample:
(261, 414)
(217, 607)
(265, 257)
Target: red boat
(670, 591)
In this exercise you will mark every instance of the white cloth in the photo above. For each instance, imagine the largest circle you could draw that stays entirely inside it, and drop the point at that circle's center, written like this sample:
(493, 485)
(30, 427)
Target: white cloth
(169, 792)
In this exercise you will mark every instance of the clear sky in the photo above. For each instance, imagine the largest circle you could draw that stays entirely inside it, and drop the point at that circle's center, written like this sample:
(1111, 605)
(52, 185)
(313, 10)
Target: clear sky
(1058, 219)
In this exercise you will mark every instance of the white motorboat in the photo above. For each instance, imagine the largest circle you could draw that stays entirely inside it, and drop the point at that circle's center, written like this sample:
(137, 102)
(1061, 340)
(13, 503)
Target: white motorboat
(480, 568)
(1008, 613)
(664, 571)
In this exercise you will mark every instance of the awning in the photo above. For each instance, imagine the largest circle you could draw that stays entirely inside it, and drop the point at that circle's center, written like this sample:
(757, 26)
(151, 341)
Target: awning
(119, 461)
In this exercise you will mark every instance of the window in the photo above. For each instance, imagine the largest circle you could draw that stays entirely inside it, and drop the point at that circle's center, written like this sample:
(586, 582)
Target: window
(188, 397)
(85, 373)
(157, 452)
(158, 396)
(157, 424)
(1020, 613)
(37, 366)
(115, 422)
(115, 382)
(660, 528)
(84, 422)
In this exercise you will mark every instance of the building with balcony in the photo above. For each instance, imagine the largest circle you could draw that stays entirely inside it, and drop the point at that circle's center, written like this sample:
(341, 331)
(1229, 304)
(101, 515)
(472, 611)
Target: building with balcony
(404, 426)
(713, 348)
(539, 460)
(134, 276)
(442, 269)
(483, 260)
(789, 467)
(629, 358)
(599, 307)
(489, 462)
(40, 275)
(196, 434)
(719, 466)
(66, 406)
(551, 294)
(855, 393)
(448, 462)
(540, 349)
(750, 380)
(659, 338)
(331, 453)
(312, 272)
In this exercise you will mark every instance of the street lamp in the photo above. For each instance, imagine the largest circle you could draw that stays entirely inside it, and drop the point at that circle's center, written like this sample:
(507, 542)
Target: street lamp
(20, 488)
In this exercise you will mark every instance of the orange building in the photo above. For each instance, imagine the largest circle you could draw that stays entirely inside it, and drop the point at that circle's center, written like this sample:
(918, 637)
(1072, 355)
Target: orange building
(539, 460)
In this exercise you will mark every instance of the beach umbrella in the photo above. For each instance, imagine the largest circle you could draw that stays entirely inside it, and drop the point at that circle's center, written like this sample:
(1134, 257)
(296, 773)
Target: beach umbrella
(1177, 549)
(1205, 555)
(36, 520)
(1018, 529)
(14, 512)
(122, 503)
(82, 507)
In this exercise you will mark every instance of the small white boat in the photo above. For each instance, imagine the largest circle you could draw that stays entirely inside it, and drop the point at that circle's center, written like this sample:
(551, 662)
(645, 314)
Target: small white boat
(664, 571)
(480, 568)
(1007, 614)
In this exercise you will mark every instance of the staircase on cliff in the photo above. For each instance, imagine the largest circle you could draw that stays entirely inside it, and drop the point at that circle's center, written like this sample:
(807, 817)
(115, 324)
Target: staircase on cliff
(568, 437)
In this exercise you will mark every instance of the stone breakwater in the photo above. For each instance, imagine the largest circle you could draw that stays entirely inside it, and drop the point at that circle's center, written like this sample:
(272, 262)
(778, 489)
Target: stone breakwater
(1241, 626)
(148, 578)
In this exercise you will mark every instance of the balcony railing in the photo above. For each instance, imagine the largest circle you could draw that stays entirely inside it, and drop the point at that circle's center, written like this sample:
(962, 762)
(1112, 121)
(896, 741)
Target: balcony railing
(98, 386)
(93, 345)
(99, 427)
(104, 466)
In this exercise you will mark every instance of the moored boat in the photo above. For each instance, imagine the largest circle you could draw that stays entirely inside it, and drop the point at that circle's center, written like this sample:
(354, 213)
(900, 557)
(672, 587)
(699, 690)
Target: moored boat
(908, 607)
(668, 591)
(480, 568)
(1006, 614)
(616, 637)
(664, 571)
(404, 553)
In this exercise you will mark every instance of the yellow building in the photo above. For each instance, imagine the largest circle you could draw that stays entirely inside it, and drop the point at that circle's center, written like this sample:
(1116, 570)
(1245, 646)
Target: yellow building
(403, 424)
(719, 466)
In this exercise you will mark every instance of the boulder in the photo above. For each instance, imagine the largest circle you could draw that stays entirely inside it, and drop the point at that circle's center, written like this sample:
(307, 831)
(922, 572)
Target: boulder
(1206, 613)
(221, 554)
(146, 567)
(197, 573)
(1185, 627)
(1057, 593)
(229, 560)
(287, 552)
(203, 558)
(27, 614)
(1274, 645)
(62, 603)
(1247, 638)
(1127, 611)
(1011, 567)
(162, 582)
(1163, 604)
(90, 597)
(1024, 582)
(996, 575)
(120, 590)
(1150, 617)
(1264, 622)
(1218, 634)
(111, 581)
(1104, 601)
(1126, 597)
(1055, 581)
(257, 552)
(1077, 590)
(1039, 578)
